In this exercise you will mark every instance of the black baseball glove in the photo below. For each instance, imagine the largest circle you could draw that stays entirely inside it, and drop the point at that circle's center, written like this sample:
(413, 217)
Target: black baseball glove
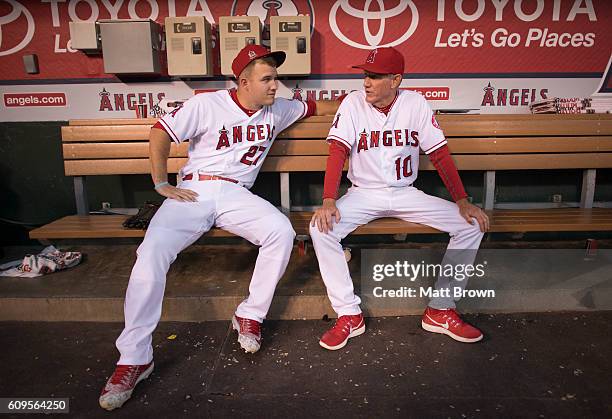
(144, 216)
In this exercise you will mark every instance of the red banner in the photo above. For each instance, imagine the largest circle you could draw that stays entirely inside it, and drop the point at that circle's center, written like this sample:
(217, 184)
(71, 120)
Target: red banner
(443, 37)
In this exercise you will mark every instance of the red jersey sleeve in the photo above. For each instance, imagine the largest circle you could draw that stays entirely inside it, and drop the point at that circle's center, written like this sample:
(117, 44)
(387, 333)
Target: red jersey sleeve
(338, 153)
(311, 108)
(444, 164)
(160, 126)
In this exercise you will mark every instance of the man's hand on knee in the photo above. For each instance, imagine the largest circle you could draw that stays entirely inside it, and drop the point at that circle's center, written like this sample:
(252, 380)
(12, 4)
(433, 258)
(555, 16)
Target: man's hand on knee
(323, 217)
(469, 211)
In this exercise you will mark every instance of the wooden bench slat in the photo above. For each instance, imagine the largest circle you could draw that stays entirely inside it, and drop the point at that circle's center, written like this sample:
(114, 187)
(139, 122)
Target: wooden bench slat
(508, 145)
(552, 219)
(318, 163)
(142, 166)
(306, 130)
(453, 126)
(463, 162)
(106, 226)
(75, 151)
(553, 213)
(319, 147)
(137, 132)
(533, 127)
(542, 213)
(104, 150)
(526, 118)
(105, 133)
(562, 219)
(112, 166)
(395, 226)
(495, 125)
(113, 121)
(473, 145)
(96, 227)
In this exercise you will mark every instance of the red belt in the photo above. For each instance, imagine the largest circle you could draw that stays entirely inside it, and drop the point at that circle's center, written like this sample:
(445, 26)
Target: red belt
(209, 177)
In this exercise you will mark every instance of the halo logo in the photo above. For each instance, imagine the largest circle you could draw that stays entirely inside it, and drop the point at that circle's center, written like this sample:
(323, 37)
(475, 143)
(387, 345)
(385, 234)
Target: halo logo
(382, 14)
(16, 11)
(372, 56)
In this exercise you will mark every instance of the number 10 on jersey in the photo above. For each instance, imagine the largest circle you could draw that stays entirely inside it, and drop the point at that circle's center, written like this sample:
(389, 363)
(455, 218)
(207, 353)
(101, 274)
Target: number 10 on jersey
(403, 167)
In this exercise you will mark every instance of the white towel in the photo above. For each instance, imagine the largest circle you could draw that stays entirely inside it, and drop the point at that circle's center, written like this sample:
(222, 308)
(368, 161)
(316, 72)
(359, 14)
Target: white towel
(47, 261)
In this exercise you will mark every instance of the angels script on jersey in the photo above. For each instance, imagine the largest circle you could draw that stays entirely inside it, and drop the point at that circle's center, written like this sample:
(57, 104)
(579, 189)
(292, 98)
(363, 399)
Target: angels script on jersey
(387, 138)
(252, 133)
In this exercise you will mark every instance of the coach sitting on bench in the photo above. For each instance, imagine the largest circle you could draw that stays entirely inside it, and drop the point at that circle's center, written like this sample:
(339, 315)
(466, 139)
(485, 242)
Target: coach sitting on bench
(381, 131)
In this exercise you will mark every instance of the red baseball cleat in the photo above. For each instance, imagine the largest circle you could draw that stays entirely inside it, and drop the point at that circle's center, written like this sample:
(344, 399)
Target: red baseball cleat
(249, 333)
(448, 322)
(346, 327)
(120, 385)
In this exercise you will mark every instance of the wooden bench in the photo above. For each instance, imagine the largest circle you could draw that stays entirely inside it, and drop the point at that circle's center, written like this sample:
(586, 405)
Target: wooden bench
(478, 142)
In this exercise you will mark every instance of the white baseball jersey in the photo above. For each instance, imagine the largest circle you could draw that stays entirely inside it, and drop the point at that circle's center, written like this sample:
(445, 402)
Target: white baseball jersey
(385, 148)
(223, 139)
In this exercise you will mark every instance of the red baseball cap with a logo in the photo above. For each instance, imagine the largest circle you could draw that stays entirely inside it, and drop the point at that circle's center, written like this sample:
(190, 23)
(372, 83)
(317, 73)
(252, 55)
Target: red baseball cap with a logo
(383, 61)
(252, 52)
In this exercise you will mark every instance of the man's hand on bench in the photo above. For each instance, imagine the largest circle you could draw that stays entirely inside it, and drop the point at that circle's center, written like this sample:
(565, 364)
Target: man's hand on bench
(172, 192)
(469, 211)
(323, 217)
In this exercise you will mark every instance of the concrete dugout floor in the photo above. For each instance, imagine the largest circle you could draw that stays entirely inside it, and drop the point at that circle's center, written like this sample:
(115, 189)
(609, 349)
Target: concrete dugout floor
(529, 366)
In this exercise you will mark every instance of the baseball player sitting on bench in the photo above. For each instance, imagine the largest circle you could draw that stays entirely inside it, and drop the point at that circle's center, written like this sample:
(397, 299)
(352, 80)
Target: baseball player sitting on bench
(381, 130)
(230, 134)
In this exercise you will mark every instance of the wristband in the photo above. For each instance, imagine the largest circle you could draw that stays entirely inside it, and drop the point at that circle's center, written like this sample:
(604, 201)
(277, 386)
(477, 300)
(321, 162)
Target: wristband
(159, 185)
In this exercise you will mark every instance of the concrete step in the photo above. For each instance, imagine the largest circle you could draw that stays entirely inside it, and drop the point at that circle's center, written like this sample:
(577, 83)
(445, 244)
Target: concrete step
(207, 282)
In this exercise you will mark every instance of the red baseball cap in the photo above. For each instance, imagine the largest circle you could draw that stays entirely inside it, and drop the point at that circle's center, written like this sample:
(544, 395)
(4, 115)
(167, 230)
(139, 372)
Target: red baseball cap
(383, 61)
(252, 52)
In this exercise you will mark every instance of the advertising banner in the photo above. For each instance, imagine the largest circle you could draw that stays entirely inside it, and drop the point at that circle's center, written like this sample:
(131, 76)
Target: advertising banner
(492, 55)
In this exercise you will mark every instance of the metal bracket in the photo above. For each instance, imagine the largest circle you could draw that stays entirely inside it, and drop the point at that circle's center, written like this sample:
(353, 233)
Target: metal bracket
(588, 188)
(488, 190)
(285, 193)
(80, 195)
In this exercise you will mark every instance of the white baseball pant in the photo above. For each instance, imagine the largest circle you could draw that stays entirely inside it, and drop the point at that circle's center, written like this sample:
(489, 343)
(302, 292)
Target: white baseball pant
(362, 205)
(175, 226)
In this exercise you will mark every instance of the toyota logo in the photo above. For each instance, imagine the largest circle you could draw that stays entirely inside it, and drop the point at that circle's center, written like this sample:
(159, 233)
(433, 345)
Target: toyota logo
(381, 14)
(16, 11)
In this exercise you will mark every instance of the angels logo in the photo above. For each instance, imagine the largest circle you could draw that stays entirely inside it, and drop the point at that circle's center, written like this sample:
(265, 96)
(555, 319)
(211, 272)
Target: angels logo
(363, 141)
(392, 28)
(223, 139)
(488, 96)
(605, 85)
(511, 97)
(266, 8)
(372, 56)
(317, 94)
(120, 101)
(105, 103)
(434, 122)
(176, 109)
(335, 124)
(12, 39)
(297, 93)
